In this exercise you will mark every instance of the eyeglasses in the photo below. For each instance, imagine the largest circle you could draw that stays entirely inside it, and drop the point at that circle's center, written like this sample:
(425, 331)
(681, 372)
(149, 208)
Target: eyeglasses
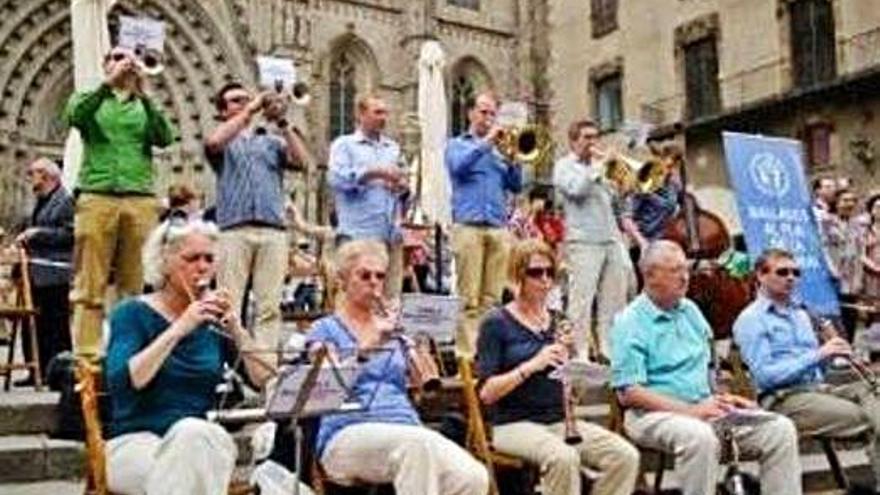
(366, 275)
(538, 272)
(117, 57)
(788, 272)
(238, 100)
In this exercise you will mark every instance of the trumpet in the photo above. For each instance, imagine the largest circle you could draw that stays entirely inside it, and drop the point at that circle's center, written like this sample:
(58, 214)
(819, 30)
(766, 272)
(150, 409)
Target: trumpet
(632, 174)
(524, 144)
(148, 61)
(562, 336)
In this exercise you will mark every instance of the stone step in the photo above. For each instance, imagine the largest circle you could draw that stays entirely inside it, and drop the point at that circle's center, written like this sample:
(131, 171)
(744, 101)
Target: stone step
(24, 412)
(55, 487)
(37, 457)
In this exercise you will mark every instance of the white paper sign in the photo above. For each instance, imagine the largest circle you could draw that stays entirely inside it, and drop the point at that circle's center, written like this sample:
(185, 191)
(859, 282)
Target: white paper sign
(276, 71)
(141, 31)
(436, 316)
(512, 113)
(636, 133)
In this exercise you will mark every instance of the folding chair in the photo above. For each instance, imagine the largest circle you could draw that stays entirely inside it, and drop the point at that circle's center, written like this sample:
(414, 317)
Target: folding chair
(19, 315)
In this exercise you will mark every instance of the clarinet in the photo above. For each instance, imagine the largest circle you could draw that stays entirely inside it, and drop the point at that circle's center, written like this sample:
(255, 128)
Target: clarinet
(423, 372)
(562, 334)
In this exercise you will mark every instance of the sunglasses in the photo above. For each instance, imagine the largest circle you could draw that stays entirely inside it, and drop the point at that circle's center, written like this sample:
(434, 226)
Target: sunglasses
(117, 57)
(366, 275)
(176, 219)
(788, 272)
(538, 272)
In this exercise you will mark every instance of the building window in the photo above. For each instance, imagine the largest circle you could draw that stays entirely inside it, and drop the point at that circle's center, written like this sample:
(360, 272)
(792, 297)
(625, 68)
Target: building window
(609, 102)
(603, 14)
(343, 92)
(817, 141)
(812, 42)
(463, 93)
(468, 4)
(701, 78)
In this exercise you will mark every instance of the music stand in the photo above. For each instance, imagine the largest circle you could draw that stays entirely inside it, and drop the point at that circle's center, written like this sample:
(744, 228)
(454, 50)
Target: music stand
(314, 389)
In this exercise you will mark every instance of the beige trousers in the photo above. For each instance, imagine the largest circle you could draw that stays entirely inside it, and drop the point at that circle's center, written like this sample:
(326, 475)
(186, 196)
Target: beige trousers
(415, 459)
(840, 411)
(481, 270)
(109, 232)
(259, 253)
(194, 457)
(596, 272)
(560, 464)
(697, 449)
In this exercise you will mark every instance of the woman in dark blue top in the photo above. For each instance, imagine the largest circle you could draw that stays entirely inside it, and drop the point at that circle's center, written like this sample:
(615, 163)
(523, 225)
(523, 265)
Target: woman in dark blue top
(164, 361)
(516, 353)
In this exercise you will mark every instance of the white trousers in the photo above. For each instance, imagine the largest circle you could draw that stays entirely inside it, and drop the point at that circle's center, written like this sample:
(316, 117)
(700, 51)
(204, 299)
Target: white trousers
(415, 459)
(697, 449)
(194, 457)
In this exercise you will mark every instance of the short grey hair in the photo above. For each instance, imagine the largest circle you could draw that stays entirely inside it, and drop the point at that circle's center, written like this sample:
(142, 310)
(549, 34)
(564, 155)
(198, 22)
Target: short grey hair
(48, 166)
(350, 252)
(165, 240)
(650, 257)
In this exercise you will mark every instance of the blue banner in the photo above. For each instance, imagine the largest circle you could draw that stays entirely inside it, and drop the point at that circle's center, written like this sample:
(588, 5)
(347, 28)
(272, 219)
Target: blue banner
(776, 210)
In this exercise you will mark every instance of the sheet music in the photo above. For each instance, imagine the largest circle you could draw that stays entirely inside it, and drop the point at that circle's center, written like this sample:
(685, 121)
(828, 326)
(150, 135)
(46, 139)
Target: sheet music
(331, 392)
(135, 31)
(276, 70)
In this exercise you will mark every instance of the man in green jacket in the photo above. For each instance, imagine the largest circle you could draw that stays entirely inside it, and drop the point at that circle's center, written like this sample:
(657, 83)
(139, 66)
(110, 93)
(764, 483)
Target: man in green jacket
(116, 207)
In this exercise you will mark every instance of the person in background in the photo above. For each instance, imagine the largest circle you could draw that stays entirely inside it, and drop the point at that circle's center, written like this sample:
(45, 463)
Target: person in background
(871, 256)
(49, 243)
(183, 199)
(116, 207)
(842, 235)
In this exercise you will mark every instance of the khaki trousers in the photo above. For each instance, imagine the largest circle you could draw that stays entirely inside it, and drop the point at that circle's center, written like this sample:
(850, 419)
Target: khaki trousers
(840, 411)
(194, 457)
(258, 253)
(481, 270)
(560, 464)
(697, 449)
(109, 232)
(596, 272)
(417, 460)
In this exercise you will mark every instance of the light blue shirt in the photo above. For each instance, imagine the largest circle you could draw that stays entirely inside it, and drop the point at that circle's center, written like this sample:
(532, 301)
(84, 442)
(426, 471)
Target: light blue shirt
(778, 344)
(380, 384)
(480, 179)
(666, 352)
(588, 200)
(365, 210)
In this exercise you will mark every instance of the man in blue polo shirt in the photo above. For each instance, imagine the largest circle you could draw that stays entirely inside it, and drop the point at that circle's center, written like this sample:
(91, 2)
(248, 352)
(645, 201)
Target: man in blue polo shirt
(787, 362)
(660, 370)
(481, 180)
(368, 177)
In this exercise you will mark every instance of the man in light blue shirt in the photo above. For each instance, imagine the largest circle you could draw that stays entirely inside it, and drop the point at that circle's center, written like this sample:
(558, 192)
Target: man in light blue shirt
(660, 358)
(787, 362)
(481, 180)
(597, 260)
(368, 178)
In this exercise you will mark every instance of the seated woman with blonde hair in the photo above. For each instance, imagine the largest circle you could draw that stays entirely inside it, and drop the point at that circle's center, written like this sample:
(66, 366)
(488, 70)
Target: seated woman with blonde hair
(517, 350)
(164, 360)
(386, 442)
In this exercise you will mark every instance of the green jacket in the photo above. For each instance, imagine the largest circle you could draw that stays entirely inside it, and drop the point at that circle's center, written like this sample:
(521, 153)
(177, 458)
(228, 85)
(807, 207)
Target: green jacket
(118, 137)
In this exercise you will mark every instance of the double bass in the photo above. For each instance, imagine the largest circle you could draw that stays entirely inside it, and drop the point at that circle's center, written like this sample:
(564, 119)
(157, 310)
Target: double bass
(704, 237)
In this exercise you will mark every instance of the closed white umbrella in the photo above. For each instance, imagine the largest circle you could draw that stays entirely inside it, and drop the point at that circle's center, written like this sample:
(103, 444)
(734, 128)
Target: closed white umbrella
(91, 40)
(435, 188)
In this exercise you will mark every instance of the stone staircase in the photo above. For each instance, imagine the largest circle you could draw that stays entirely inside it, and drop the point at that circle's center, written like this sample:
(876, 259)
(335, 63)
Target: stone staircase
(32, 463)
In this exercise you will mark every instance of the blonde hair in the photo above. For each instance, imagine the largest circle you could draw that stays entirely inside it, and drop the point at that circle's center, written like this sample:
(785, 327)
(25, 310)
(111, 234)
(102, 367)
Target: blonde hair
(351, 252)
(165, 240)
(522, 252)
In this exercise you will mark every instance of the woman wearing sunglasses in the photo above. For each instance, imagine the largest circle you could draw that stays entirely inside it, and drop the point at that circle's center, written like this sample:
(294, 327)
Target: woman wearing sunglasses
(385, 442)
(164, 360)
(516, 351)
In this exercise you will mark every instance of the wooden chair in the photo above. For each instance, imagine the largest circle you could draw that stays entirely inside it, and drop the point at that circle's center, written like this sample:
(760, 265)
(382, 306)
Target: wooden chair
(88, 377)
(20, 316)
(477, 438)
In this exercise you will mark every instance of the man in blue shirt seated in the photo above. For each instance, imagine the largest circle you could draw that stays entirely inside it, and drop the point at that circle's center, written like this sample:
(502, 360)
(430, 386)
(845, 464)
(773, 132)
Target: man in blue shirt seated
(660, 357)
(481, 179)
(778, 343)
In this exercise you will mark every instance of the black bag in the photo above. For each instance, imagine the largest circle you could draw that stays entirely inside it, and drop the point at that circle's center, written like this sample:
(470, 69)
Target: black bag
(61, 377)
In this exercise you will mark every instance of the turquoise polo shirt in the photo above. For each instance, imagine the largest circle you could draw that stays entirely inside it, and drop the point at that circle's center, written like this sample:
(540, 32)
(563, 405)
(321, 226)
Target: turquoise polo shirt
(666, 352)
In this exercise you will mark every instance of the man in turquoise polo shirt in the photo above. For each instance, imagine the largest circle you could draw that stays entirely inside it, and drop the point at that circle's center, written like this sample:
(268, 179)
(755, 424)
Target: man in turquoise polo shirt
(660, 348)
(116, 207)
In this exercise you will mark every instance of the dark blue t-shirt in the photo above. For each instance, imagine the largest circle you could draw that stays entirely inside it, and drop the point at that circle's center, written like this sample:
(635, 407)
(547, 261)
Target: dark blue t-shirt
(184, 385)
(503, 344)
